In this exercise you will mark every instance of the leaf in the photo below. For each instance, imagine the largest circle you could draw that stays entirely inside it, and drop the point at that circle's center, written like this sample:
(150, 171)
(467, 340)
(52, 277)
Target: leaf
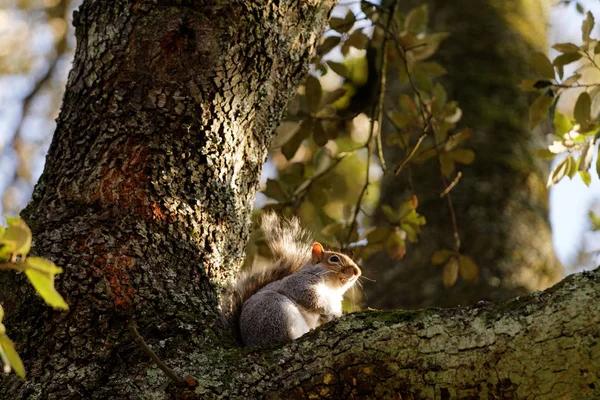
(565, 59)
(441, 256)
(342, 25)
(10, 356)
(16, 239)
(468, 269)
(542, 84)
(358, 40)
(291, 146)
(562, 124)
(432, 68)
(542, 65)
(571, 167)
(586, 177)
(544, 154)
(583, 108)
(464, 156)
(389, 213)
(558, 172)
(416, 20)
(566, 47)
(538, 110)
(328, 44)
(332, 97)
(41, 274)
(598, 162)
(587, 26)
(595, 220)
(274, 190)
(338, 68)
(587, 154)
(571, 80)
(313, 93)
(446, 164)
(450, 272)
(319, 135)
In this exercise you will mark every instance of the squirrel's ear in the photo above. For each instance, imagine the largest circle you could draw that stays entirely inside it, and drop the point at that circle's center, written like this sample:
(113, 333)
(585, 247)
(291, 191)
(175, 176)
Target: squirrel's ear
(317, 252)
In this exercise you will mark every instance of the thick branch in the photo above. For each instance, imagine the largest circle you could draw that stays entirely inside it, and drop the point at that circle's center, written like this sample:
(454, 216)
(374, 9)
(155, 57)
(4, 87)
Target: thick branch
(543, 346)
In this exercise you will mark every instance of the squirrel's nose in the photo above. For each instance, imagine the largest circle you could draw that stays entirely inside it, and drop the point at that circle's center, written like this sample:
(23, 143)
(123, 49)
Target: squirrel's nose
(356, 271)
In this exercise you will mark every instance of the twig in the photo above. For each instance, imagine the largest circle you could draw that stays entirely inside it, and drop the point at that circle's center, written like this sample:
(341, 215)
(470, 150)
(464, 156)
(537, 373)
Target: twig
(411, 154)
(452, 184)
(140, 341)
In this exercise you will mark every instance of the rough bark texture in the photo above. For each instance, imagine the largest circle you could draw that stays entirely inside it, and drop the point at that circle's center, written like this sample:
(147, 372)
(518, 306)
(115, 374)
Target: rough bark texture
(167, 117)
(501, 201)
(145, 198)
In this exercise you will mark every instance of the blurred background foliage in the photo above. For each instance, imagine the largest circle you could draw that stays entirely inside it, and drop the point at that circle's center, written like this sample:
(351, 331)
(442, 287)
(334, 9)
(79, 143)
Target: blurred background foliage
(410, 144)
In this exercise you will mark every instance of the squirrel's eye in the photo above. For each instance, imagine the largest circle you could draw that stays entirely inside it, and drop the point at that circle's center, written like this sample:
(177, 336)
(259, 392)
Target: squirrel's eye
(334, 259)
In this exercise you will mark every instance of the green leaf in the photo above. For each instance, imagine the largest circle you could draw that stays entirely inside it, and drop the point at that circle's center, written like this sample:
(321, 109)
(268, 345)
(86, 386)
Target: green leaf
(332, 97)
(571, 80)
(562, 124)
(538, 110)
(544, 154)
(566, 47)
(565, 59)
(542, 65)
(16, 239)
(587, 26)
(416, 20)
(313, 93)
(338, 68)
(585, 177)
(571, 167)
(598, 162)
(583, 109)
(595, 220)
(390, 213)
(10, 357)
(41, 274)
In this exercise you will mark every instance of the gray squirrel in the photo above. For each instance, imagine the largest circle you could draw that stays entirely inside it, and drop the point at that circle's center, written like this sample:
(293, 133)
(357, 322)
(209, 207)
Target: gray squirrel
(300, 290)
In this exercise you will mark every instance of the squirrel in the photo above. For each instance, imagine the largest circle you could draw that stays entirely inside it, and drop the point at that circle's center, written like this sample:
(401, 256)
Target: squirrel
(300, 290)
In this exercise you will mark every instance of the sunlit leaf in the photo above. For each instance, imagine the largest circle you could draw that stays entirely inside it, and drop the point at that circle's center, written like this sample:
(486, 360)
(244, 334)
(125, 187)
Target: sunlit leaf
(562, 124)
(544, 154)
(566, 47)
(585, 177)
(41, 274)
(16, 238)
(565, 59)
(587, 26)
(10, 356)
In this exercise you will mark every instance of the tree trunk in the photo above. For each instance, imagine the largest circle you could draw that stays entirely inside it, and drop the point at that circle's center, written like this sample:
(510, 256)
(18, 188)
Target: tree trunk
(501, 202)
(144, 201)
(149, 181)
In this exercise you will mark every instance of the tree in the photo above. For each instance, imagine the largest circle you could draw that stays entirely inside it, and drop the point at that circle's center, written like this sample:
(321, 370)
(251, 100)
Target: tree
(505, 231)
(145, 203)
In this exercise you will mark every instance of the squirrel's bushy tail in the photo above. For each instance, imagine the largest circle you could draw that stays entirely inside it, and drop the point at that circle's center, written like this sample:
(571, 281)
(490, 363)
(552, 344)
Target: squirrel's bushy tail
(291, 248)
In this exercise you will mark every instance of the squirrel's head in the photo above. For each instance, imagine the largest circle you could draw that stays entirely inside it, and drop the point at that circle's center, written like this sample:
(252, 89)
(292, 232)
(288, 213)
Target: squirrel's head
(345, 271)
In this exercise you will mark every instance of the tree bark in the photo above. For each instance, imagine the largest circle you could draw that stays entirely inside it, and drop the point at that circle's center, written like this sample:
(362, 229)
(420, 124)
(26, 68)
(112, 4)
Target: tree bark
(144, 201)
(145, 198)
(501, 202)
